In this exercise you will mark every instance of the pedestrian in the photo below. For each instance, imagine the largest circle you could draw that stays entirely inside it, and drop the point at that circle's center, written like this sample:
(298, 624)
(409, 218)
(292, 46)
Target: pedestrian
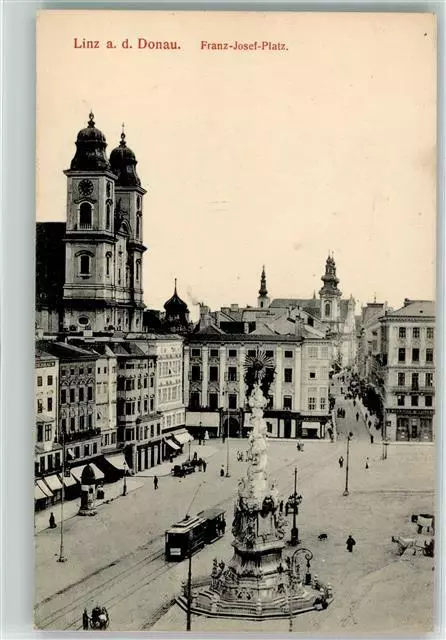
(281, 507)
(354, 403)
(206, 436)
(370, 424)
(371, 439)
(366, 463)
(204, 465)
(341, 462)
(85, 620)
(222, 471)
(155, 483)
(357, 416)
(350, 542)
(53, 524)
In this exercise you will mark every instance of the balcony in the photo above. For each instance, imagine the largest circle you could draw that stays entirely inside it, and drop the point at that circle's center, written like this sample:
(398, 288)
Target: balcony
(76, 436)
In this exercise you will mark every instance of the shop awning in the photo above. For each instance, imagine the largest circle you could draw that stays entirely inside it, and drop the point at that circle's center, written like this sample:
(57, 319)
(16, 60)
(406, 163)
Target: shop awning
(172, 445)
(77, 472)
(53, 482)
(69, 481)
(117, 460)
(38, 493)
(45, 490)
(182, 436)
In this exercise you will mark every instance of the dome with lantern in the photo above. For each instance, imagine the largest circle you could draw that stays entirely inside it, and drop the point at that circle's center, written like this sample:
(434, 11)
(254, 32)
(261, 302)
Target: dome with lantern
(123, 163)
(90, 149)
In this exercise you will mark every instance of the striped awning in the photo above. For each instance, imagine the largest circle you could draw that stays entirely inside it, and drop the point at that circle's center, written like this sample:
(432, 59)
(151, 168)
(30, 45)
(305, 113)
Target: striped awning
(69, 481)
(44, 488)
(172, 445)
(38, 493)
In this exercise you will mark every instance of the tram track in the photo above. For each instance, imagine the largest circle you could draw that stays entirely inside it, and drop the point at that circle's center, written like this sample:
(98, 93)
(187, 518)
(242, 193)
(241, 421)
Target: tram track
(68, 616)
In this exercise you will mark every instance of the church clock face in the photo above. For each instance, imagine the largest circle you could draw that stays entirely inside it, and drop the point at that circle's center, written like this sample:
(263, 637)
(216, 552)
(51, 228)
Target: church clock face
(85, 187)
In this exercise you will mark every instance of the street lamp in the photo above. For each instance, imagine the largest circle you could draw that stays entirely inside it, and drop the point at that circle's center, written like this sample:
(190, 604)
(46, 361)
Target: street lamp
(349, 437)
(227, 444)
(62, 557)
(124, 488)
(294, 501)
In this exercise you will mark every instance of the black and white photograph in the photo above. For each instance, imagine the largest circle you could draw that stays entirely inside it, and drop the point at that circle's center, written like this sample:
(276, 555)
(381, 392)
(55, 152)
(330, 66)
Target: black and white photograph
(235, 322)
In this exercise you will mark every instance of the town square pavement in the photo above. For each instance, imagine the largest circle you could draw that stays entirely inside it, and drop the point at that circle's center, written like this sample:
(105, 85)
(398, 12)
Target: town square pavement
(115, 558)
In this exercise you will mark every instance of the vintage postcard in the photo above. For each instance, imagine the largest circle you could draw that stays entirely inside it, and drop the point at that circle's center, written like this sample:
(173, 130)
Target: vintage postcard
(235, 322)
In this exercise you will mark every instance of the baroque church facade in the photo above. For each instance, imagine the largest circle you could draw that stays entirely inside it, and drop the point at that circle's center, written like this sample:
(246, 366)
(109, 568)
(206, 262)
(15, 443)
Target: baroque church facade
(104, 237)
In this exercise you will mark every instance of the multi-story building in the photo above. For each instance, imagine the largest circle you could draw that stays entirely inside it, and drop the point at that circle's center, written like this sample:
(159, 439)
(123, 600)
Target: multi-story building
(139, 422)
(368, 339)
(168, 401)
(214, 365)
(77, 399)
(106, 381)
(337, 314)
(48, 453)
(407, 357)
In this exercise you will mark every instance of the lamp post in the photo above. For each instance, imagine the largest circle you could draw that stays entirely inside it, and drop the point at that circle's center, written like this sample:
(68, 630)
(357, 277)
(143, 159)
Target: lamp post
(346, 491)
(295, 531)
(124, 488)
(227, 444)
(62, 557)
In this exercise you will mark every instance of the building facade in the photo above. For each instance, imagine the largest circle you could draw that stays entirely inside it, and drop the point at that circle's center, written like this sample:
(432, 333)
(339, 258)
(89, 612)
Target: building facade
(103, 241)
(214, 365)
(408, 371)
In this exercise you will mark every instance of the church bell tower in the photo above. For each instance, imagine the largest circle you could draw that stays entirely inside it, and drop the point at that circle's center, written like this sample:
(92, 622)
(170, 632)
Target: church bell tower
(263, 301)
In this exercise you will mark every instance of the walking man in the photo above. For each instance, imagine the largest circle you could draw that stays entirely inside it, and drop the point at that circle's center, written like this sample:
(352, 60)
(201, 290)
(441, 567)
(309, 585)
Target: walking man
(222, 471)
(204, 465)
(341, 462)
(357, 416)
(85, 620)
(350, 542)
(155, 483)
(53, 524)
(366, 463)
(371, 439)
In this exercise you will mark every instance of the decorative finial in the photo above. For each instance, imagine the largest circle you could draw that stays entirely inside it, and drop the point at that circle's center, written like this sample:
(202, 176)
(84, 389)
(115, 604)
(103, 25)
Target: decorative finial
(374, 297)
(91, 120)
(122, 143)
(175, 288)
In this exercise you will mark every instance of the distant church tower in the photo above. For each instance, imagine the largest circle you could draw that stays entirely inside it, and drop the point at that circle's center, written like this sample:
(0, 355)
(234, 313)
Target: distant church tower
(263, 300)
(103, 281)
(330, 294)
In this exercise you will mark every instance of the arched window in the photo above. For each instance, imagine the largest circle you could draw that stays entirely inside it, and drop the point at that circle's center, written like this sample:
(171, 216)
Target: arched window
(84, 265)
(327, 309)
(107, 263)
(138, 270)
(138, 225)
(108, 215)
(85, 215)
(119, 276)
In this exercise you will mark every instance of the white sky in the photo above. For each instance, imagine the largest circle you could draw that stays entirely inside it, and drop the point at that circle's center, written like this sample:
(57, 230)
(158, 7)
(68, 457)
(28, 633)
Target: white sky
(262, 157)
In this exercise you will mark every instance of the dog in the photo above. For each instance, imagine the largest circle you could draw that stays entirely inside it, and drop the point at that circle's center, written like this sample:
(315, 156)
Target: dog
(322, 536)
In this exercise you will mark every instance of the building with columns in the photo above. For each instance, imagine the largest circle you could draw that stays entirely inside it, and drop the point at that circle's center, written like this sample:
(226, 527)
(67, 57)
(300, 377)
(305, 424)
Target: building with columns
(214, 387)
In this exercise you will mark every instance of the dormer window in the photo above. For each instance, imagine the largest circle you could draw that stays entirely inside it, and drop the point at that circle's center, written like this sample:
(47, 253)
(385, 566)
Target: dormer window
(85, 215)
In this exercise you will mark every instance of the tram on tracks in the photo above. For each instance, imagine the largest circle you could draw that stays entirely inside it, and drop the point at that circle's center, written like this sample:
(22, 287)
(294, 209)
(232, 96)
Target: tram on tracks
(191, 534)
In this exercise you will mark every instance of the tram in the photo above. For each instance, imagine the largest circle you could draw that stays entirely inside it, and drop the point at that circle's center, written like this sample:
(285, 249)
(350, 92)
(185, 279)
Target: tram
(191, 534)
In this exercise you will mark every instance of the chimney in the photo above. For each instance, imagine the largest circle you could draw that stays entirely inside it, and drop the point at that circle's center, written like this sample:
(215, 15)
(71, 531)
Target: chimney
(298, 327)
(234, 307)
(406, 302)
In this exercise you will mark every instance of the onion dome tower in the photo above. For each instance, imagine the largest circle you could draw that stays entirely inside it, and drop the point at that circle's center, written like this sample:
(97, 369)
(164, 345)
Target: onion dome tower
(177, 313)
(263, 301)
(123, 163)
(90, 149)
